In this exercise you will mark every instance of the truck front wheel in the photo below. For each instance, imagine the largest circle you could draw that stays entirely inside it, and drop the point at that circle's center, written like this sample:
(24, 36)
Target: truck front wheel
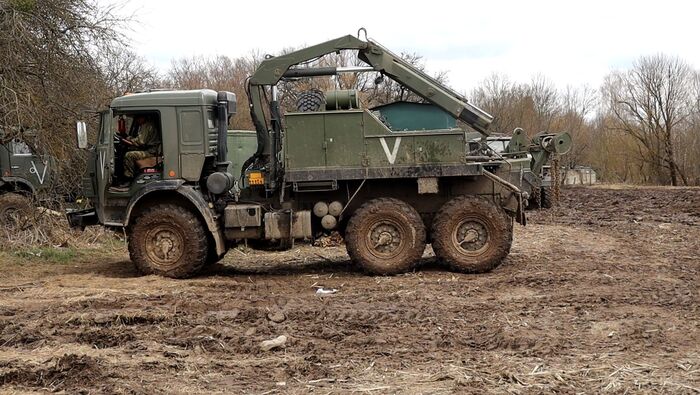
(471, 234)
(168, 240)
(385, 236)
(14, 209)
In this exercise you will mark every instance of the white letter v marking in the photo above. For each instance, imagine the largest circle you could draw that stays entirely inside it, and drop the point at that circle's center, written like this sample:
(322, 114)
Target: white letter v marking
(391, 156)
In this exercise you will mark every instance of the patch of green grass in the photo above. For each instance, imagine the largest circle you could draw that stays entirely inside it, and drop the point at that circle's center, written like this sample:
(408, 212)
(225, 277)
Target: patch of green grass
(50, 254)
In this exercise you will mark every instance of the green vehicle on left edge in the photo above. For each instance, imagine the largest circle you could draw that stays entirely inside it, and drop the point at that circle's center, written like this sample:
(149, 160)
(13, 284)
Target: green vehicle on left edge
(23, 175)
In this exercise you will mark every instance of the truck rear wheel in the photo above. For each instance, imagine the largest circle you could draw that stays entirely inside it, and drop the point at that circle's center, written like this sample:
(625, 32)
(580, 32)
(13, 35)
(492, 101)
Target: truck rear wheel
(14, 209)
(471, 234)
(534, 202)
(385, 236)
(546, 197)
(168, 240)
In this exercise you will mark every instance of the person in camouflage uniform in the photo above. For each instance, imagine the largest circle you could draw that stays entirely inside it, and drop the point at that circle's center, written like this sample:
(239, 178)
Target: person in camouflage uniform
(145, 144)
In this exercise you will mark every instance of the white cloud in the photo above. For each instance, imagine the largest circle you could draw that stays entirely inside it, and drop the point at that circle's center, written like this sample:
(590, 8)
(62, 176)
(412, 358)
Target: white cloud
(570, 43)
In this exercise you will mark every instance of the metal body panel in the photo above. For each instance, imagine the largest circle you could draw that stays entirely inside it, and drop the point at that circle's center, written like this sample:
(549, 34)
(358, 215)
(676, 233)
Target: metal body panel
(242, 215)
(191, 165)
(343, 138)
(241, 145)
(357, 138)
(304, 141)
(470, 169)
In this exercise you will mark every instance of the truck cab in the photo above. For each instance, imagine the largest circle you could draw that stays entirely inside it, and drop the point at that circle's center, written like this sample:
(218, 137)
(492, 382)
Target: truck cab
(188, 126)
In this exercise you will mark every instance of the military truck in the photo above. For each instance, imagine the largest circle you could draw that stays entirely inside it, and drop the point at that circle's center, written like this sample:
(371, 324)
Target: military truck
(23, 175)
(338, 168)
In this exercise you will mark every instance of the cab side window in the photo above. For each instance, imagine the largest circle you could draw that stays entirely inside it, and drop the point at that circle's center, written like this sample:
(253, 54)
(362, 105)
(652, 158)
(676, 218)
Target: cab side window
(19, 147)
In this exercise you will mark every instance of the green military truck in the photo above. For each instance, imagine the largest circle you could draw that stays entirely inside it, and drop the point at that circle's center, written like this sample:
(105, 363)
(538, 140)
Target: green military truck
(336, 168)
(23, 175)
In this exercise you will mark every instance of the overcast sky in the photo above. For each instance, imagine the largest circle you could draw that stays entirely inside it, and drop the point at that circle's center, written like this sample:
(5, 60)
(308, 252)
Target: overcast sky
(571, 43)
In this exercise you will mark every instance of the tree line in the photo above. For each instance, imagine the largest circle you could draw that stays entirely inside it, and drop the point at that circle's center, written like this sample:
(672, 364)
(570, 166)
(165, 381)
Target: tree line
(642, 125)
(61, 59)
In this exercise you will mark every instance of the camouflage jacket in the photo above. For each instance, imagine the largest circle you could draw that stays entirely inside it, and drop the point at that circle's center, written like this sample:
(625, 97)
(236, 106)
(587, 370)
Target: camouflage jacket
(147, 139)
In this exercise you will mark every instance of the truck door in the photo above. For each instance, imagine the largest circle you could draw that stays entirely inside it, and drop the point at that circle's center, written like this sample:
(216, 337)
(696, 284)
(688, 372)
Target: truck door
(104, 155)
(27, 165)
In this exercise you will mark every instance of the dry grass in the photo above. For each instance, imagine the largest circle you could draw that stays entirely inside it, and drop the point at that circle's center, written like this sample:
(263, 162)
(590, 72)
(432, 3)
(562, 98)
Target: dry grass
(46, 232)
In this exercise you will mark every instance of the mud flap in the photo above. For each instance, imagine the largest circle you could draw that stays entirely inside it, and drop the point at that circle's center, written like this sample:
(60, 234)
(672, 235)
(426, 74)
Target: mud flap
(82, 218)
(515, 202)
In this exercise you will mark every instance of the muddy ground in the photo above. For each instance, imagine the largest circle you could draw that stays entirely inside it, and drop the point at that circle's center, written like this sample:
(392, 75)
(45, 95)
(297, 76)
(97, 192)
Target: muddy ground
(599, 294)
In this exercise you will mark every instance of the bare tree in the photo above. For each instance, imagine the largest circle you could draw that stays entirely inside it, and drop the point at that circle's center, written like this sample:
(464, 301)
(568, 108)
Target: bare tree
(545, 102)
(218, 73)
(532, 106)
(51, 71)
(503, 99)
(652, 102)
(124, 71)
(576, 107)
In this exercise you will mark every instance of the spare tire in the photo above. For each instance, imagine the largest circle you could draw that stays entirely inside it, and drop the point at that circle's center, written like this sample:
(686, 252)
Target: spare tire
(311, 100)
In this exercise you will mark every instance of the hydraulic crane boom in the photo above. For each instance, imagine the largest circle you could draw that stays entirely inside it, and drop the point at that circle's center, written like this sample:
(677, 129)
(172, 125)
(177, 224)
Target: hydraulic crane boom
(273, 69)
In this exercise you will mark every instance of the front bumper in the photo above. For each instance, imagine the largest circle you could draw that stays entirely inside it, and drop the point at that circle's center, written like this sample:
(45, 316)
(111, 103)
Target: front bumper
(82, 218)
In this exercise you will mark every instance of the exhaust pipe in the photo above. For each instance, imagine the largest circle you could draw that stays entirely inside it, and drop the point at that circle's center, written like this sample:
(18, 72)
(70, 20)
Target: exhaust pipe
(221, 181)
(226, 107)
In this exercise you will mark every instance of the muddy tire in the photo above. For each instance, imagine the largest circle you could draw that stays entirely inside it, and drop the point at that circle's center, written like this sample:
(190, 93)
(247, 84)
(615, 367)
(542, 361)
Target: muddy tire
(471, 234)
(534, 202)
(168, 240)
(14, 209)
(385, 236)
(546, 197)
(311, 100)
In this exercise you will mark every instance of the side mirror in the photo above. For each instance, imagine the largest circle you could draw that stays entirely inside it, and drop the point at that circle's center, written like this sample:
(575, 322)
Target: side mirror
(81, 134)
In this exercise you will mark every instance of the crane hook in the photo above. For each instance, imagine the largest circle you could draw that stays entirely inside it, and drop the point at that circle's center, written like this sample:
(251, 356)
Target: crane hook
(362, 29)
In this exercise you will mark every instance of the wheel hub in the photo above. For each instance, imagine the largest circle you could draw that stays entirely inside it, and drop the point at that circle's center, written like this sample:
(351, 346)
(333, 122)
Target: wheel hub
(385, 237)
(471, 236)
(164, 246)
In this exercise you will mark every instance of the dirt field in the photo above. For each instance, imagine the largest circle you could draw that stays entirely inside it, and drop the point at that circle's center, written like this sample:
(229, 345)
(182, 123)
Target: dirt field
(600, 294)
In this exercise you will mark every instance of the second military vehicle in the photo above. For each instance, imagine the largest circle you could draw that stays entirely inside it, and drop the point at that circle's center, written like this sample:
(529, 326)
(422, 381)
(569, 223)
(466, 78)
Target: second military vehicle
(339, 168)
(23, 175)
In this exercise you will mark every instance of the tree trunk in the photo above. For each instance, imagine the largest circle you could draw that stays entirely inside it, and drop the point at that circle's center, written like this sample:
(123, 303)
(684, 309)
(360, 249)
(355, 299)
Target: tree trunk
(672, 167)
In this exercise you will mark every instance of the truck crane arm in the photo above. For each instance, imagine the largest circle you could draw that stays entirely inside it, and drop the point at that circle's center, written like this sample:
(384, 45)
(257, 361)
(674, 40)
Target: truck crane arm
(379, 59)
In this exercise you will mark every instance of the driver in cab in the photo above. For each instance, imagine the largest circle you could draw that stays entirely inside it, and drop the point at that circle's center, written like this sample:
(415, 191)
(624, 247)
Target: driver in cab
(144, 143)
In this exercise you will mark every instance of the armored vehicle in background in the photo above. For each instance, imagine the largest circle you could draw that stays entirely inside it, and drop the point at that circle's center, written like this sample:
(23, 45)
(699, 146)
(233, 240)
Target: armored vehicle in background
(23, 175)
(389, 192)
